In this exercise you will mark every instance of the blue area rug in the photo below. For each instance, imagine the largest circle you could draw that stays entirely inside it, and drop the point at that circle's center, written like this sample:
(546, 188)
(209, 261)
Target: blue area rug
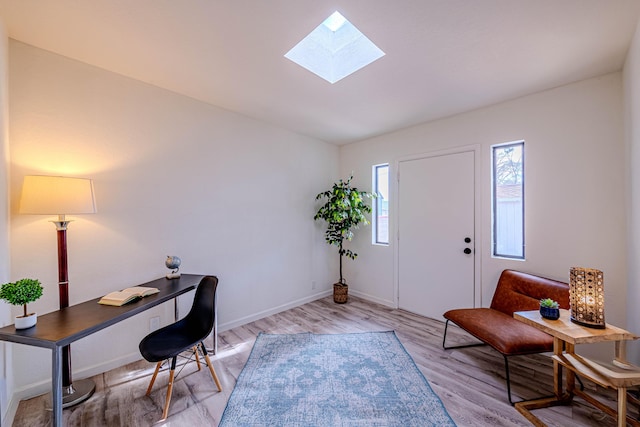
(365, 379)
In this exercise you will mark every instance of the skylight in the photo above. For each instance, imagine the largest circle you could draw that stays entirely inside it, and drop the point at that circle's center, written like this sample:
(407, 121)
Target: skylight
(334, 50)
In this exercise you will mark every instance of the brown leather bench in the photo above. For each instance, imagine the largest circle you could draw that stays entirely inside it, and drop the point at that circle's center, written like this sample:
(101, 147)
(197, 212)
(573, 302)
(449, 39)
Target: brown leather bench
(495, 326)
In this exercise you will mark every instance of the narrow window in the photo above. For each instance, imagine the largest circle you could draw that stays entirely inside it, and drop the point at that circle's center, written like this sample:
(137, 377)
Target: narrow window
(508, 200)
(381, 204)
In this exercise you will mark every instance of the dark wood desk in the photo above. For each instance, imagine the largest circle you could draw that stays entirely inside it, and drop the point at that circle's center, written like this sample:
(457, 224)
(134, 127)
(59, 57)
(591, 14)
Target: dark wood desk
(62, 327)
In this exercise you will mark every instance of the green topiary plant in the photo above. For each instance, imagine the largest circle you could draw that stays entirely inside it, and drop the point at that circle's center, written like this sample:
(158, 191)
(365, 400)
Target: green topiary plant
(343, 211)
(549, 303)
(21, 292)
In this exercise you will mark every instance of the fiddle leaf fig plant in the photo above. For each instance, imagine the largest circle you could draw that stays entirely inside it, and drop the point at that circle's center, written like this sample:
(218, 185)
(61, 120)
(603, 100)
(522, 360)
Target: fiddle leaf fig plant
(343, 211)
(21, 292)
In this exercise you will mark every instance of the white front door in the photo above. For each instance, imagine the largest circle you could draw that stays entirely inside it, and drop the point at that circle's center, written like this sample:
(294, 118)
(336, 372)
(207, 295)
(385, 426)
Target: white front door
(436, 239)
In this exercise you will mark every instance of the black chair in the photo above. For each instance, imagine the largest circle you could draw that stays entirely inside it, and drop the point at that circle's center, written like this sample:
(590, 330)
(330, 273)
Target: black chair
(187, 333)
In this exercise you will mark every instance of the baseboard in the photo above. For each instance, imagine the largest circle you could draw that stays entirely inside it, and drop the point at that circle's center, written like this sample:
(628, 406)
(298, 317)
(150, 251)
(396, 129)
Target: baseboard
(10, 414)
(248, 319)
(371, 298)
(257, 316)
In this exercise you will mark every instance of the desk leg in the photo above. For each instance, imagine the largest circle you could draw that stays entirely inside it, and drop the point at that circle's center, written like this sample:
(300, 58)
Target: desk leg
(557, 368)
(622, 406)
(215, 326)
(56, 385)
(571, 376)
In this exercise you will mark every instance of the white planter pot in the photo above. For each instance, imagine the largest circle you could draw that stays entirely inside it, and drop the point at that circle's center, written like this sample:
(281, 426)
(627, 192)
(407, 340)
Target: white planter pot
(26, 322)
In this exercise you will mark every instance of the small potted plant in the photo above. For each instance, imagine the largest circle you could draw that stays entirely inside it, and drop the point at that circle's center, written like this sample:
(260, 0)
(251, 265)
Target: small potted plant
(549, 309)
(21, 293)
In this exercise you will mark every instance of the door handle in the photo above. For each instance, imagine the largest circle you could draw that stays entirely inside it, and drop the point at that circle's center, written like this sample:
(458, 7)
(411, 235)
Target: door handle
(467, 251)
(467, 239)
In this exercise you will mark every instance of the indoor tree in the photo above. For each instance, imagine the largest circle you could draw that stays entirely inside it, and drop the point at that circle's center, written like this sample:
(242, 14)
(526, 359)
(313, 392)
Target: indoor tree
(344, 210)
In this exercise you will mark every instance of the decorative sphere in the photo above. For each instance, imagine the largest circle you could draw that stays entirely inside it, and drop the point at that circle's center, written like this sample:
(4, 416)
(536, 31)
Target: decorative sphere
(172, 262)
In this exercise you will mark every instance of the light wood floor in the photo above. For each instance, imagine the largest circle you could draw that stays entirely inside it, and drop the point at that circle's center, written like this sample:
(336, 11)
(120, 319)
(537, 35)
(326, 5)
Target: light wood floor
(470, 381)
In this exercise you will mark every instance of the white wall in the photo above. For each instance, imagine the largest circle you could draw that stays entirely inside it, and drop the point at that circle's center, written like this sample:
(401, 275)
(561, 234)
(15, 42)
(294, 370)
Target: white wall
(575, 186)
(6, 378)
(631, 75)
(173, 176)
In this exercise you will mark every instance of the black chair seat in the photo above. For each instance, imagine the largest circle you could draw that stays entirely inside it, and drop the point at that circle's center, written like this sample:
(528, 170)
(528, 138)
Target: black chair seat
(168, 342)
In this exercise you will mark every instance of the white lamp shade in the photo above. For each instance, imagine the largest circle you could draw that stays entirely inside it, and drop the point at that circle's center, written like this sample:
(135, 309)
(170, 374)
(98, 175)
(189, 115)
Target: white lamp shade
(57, 195)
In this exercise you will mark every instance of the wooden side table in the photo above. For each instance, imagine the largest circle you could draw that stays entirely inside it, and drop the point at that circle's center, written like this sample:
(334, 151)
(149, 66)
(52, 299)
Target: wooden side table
(566, 335)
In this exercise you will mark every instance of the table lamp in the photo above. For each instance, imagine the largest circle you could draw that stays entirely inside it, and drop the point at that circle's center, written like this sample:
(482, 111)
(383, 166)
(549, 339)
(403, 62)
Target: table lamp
(586, 297)
(56, 195)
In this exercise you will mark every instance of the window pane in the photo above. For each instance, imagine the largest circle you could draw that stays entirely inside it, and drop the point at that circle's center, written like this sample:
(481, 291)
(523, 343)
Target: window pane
(381, 204)
(508, 200)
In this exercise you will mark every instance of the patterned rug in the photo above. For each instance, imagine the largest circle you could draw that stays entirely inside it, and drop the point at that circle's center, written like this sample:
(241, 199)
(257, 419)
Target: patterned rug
(365, 379)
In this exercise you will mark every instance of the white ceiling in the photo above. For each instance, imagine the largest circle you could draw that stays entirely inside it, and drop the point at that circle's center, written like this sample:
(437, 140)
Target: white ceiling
(442, 56)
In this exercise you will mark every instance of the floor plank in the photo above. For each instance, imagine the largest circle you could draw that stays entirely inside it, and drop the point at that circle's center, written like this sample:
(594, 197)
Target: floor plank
(470, 381)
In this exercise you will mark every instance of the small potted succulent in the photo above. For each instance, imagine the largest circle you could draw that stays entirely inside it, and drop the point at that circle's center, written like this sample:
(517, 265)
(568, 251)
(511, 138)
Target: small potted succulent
(21, 293)
(549, 309)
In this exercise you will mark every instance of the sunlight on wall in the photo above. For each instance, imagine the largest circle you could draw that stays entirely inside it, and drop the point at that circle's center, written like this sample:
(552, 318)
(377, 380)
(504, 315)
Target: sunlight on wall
(44, 156)
(77, 135)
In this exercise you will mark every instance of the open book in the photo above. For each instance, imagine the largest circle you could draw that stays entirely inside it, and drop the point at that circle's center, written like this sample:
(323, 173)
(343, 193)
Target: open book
(127, 295)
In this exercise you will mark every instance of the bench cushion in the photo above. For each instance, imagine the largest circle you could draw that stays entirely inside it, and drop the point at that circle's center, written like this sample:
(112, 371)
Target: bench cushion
(501, 331)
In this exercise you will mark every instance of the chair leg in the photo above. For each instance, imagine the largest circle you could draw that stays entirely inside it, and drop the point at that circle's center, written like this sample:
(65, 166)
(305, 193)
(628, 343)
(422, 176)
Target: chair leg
(210, 365)
(153, 378)
(165, 413)
(506, 362)
(195, 350)
(444, 339)
(506, 366)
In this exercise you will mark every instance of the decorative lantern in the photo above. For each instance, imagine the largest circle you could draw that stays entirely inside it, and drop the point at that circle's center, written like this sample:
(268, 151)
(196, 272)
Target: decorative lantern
(586, 297)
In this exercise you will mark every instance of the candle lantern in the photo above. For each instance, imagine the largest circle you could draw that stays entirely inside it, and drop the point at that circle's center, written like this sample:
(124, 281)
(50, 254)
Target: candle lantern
(586, 297)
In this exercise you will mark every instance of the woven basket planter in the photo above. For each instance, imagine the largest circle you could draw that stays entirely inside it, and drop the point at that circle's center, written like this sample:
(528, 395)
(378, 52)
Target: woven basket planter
(340, 293)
